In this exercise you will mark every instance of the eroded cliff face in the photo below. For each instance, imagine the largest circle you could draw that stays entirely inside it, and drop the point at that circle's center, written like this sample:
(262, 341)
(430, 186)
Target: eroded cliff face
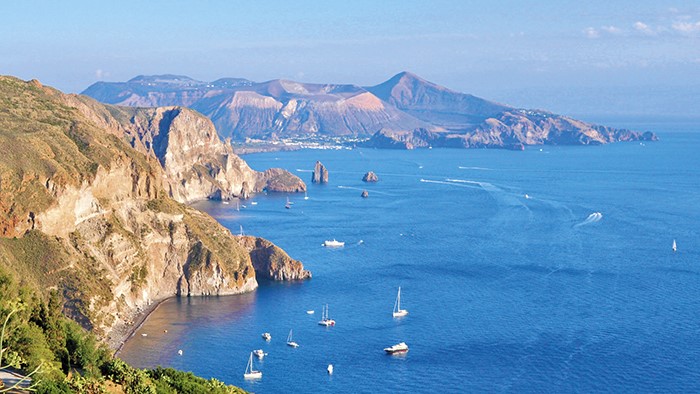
(84, 213)
(196, 163)
(271, 262)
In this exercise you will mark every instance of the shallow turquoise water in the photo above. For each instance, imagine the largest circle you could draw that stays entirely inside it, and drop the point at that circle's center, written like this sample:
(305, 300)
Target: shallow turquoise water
(505, 293)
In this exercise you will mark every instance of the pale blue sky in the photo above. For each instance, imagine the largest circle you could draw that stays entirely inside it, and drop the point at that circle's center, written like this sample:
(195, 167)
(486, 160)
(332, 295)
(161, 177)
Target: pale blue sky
(565, 56)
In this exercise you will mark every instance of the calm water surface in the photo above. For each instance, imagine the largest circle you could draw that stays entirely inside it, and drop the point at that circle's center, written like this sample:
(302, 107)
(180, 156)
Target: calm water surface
(505, 293)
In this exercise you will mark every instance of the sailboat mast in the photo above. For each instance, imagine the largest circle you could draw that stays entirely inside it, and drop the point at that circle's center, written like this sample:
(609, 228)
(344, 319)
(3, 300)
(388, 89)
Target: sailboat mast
(398, 299)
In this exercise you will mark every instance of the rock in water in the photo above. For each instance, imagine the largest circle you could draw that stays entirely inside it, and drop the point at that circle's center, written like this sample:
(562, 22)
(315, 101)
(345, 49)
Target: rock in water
(364, 194)
(370, 177)
(320, 174)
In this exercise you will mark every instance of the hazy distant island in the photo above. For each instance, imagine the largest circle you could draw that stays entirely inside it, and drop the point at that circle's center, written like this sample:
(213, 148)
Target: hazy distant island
(405, 112)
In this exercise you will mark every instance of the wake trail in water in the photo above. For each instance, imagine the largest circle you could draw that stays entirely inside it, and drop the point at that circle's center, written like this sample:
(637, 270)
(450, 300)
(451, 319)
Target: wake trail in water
(300, 170)
(595, 217)
(476, 168)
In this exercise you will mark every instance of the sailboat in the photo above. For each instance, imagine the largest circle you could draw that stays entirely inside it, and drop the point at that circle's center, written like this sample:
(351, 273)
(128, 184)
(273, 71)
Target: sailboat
(250, 373)
(674, 245)
(241, 233)
(398, 312)
(306, 197)
(288, 205)
(325, 319)
(290, 342)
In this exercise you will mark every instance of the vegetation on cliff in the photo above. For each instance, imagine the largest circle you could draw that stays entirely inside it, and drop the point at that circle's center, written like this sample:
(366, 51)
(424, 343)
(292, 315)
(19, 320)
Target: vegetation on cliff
(87, 207)
(59, 356)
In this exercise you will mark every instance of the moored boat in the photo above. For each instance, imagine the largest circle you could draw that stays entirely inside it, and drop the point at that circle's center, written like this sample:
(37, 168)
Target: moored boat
(398, 312)
(333, 244)
(251, 373)
(398, 348)
(290, 341)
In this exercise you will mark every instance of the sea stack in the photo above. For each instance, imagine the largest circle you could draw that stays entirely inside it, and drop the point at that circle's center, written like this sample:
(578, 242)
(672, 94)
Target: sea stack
(364, 194)
(320, 174)
(370, 177)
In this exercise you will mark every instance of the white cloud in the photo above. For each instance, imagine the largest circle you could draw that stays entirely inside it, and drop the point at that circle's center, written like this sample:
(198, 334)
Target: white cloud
(100, 74)
(644, 28)
(614, 30)
(591, 32)
(686, 27)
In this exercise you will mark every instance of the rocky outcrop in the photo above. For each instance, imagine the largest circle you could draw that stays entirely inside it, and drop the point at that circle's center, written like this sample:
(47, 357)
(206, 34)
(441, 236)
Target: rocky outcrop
(370, 177)
(271, 262)
(320, 174)
(196, 163)
(86, 212)
(364, 194)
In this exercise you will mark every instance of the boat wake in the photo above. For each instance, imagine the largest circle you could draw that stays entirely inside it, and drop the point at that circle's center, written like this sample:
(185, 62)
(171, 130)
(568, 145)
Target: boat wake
(476, 168)
(300, 170)
(592, 218)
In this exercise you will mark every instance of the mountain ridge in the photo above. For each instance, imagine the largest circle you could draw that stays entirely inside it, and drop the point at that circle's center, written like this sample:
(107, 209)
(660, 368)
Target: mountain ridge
(401, 105)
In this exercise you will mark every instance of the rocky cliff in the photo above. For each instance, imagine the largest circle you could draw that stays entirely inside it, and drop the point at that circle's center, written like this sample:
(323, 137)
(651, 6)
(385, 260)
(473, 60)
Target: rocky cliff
(406, 109)
(271, 262)
(196, 163)
(320, 174)
(85, 213)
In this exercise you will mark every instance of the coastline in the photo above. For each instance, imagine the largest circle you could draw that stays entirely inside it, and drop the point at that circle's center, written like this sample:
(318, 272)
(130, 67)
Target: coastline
(121, 335)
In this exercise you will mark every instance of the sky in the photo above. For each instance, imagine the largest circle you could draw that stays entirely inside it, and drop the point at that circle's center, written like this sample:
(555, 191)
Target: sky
(606, 57)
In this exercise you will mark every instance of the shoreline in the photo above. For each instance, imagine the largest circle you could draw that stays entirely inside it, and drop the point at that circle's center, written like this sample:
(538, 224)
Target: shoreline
(120, 338)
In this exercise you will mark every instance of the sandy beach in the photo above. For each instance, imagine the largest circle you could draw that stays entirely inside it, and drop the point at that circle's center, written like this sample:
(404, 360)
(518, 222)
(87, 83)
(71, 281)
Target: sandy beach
(123, 333)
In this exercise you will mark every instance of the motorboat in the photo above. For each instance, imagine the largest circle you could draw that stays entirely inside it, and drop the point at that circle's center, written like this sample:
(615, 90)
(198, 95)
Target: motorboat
(333, 244)
(398, 348)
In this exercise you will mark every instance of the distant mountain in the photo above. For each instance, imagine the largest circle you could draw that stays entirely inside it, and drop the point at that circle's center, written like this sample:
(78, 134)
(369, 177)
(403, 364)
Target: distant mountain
(405, 108)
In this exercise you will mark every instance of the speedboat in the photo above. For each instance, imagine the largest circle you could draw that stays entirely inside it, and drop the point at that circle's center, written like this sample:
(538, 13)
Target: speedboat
(333, 244)
(266, 336)
(259, 353)
(398, 348)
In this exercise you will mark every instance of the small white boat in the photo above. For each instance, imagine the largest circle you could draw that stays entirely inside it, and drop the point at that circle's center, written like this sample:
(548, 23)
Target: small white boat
(527, 197)
(310, 312)
(330, 369)
(179, 352)
(398, 348)
(253, 203)
(266, 336)
(674, 246)
(250, 373)
(259, 353)
(325, 319)
(241, 233)
(333, 244)
(225, 202)
(288, 205)
(290, 341)
(398, 312)
(306, 197)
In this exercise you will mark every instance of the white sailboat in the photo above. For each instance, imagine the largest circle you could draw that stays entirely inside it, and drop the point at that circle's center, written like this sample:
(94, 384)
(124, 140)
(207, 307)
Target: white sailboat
(306, 197)
(250, 373)
(241, 233)
(288, 205)
(674, 245)
(398, 312)
(325, 319)
(290, 341)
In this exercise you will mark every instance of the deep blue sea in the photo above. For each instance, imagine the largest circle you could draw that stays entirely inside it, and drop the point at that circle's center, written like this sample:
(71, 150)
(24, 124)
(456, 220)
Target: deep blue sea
(505, 293)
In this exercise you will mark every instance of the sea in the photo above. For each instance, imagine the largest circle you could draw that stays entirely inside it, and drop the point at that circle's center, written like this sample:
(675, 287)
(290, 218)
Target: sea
(549, 270)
